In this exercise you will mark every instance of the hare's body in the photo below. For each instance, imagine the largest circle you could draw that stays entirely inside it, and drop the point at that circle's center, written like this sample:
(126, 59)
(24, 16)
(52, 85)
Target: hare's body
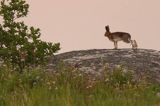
(118, 36)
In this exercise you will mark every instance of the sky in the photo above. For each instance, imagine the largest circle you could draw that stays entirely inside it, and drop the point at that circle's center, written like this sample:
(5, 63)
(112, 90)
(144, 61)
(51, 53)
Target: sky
(80, 24)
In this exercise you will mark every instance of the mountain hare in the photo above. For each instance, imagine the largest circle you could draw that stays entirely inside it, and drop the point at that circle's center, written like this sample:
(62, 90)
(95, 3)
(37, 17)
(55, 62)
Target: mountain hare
(120, 36)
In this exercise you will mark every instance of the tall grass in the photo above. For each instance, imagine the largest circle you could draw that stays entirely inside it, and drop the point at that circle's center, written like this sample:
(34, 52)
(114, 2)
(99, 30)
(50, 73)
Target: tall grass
(70, 87)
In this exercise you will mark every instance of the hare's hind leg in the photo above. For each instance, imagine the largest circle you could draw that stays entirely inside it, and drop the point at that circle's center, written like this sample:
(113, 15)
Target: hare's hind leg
(134, 44)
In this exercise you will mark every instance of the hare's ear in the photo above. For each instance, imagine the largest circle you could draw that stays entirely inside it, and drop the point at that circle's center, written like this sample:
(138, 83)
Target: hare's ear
(107, 27)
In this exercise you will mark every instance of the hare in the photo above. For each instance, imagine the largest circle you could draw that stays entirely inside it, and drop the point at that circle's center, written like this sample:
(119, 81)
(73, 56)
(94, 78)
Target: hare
(120, 36)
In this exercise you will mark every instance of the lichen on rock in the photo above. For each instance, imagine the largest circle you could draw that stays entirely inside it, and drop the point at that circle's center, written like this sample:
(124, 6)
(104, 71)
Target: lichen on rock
(141, 61)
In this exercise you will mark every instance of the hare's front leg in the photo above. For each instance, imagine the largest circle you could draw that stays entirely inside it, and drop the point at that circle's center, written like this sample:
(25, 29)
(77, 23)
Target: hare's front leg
(115, 45)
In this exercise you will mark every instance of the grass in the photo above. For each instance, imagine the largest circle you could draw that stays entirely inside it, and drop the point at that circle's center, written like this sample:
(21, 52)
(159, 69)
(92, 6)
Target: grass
(70, 87)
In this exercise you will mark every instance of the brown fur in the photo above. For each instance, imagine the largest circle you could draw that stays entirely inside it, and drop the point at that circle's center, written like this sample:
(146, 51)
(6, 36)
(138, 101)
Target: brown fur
(118, 36)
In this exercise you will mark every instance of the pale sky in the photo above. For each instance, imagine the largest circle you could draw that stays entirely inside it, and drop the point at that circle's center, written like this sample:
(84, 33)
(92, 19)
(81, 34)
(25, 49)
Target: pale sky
(79, 24)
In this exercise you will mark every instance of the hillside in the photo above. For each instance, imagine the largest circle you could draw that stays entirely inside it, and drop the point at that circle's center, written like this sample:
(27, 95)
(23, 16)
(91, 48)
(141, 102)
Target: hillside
(143, 62)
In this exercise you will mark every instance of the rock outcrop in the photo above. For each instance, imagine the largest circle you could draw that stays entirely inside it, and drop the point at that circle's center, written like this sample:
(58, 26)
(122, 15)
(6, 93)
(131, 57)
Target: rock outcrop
(141, 61)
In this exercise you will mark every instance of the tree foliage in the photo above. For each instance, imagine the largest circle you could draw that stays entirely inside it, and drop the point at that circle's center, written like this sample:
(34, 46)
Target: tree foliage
(20, 44)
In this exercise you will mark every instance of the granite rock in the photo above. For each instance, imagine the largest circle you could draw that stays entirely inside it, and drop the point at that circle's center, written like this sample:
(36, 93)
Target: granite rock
(141, 61)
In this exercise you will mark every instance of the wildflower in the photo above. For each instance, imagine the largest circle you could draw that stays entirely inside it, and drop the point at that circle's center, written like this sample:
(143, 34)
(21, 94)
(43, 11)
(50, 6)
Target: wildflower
(41, 79)
(158, 94)
(56, 88)
(90, 86)
(11, 70)
(118, 66)
(107, 79)
(20, 80)
(48, 83)
(53, 82)
(79, 74)
(90, 96)
(37, 77)
(34, 83)
(4, 65)
(74, 70)
(50, 88)
(124, 71)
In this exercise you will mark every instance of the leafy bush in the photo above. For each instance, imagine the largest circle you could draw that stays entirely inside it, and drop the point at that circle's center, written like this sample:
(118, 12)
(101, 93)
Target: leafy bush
(20, 45)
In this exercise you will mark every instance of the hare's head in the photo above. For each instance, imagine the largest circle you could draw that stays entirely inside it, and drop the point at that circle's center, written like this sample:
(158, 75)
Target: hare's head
(107, 31)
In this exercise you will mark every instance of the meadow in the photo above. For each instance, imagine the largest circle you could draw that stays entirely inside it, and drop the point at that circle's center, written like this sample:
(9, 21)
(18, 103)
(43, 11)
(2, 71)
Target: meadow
(71, 87)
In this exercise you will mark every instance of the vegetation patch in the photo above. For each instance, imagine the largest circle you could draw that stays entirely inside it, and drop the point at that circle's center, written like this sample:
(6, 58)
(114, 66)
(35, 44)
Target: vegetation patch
(71, 87)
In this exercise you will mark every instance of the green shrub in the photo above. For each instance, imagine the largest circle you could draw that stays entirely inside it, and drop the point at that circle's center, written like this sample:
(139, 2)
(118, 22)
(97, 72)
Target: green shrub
(20, 45)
